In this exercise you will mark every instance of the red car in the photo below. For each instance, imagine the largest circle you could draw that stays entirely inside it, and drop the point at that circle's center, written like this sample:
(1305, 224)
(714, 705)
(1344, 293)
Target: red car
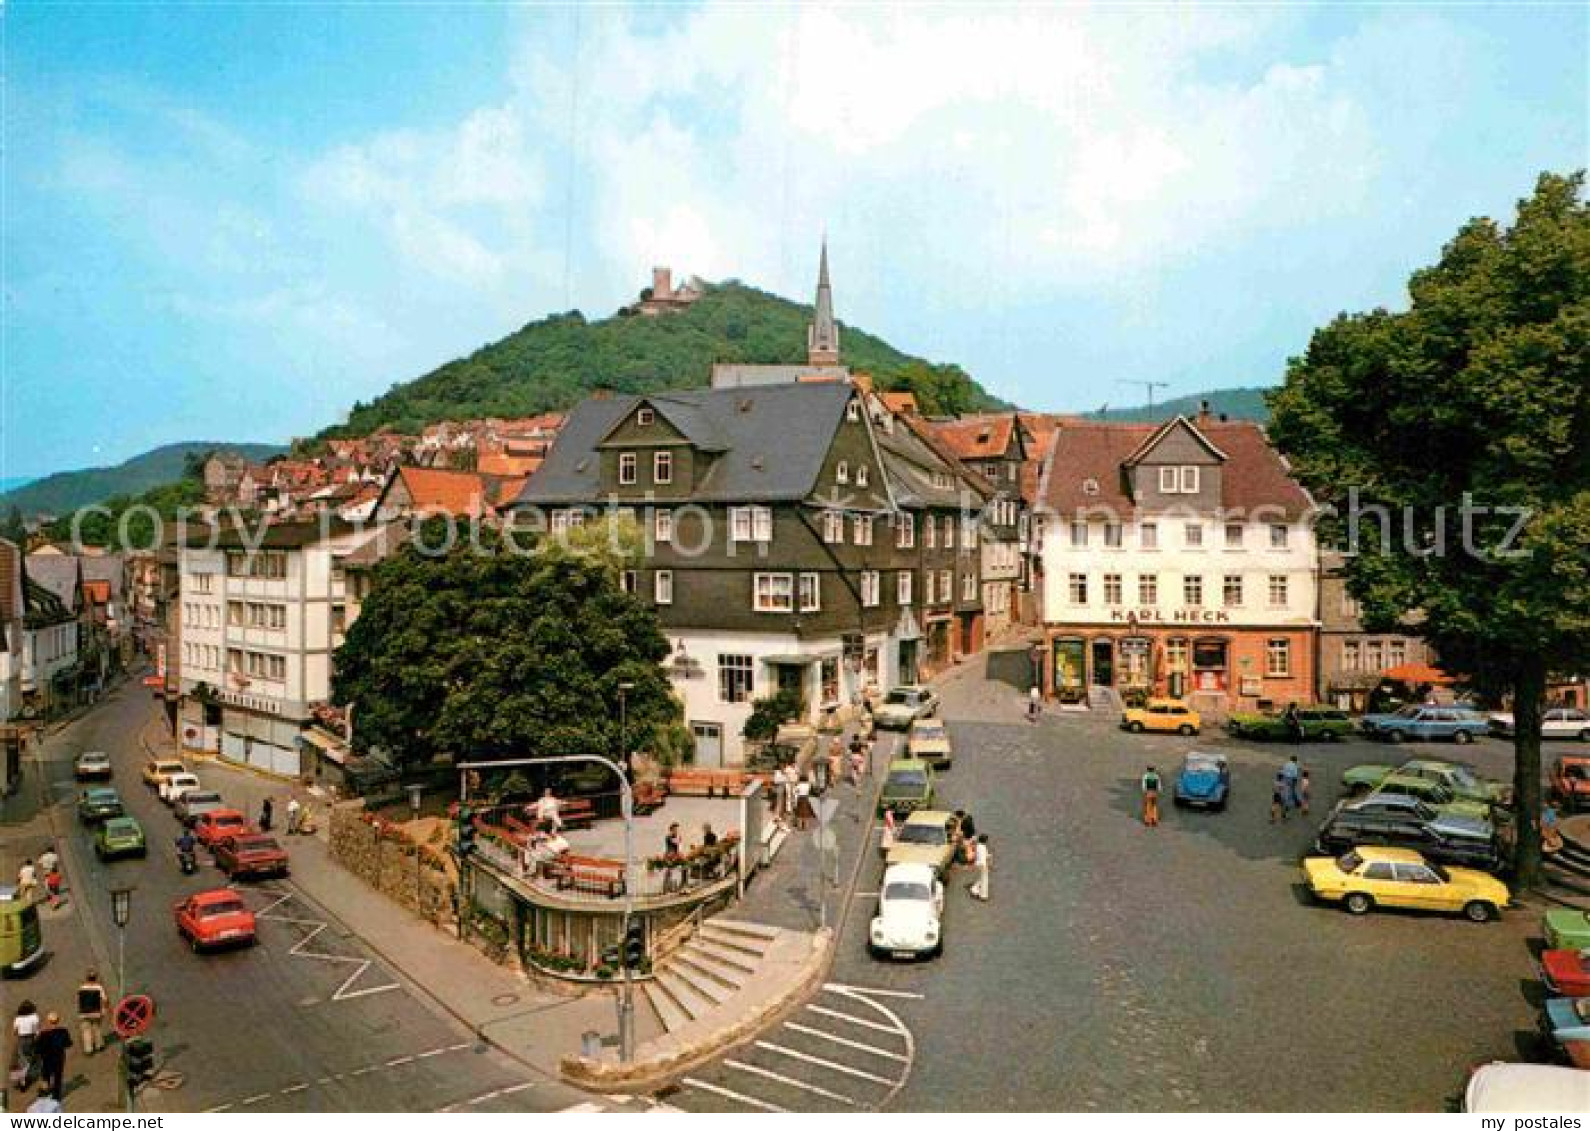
(1570, 782)
(214, 919)
(218, 823)
(250, 856)
(1566, 972)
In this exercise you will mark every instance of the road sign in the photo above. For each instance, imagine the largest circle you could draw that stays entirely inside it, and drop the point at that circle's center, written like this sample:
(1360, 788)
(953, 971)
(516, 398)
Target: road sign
(133, 1015)
(826, 807)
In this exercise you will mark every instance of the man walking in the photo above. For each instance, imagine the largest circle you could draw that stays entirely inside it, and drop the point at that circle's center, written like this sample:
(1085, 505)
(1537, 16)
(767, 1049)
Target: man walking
(1292, 772)
(1150, 787)
(983, 860)
(91, 1002)
(51, 1047)
(294, 810)
(265, 816)
(27, 881)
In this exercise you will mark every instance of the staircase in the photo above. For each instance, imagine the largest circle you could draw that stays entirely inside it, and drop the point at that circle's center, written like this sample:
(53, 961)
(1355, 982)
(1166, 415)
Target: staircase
(1104, 699)
(718, 961)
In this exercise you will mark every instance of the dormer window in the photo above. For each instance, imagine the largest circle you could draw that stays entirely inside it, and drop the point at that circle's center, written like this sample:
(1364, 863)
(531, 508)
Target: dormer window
(1178, 480)
(662, 467)
(853, 411)
(645, 417)
(842, 472)
(861, 476)
(626, 467)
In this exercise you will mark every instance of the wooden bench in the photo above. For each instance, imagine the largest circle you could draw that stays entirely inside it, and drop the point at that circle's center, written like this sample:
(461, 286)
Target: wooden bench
(690, 782)
(588, 873)
(576, 813)
(649, 796)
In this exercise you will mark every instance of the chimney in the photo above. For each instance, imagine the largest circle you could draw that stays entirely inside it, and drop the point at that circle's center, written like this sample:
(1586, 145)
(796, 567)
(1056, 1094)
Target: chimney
(1204, 415)
(662, 283)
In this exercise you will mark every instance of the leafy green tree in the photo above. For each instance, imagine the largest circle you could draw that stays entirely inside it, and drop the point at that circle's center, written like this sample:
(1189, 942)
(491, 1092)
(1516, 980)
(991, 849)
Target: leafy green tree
(1478, 393)
(500, 654)
(770, 713)
(13, 528)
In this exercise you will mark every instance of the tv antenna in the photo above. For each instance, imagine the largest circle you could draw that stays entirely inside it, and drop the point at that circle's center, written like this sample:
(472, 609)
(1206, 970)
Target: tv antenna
(1148, 387)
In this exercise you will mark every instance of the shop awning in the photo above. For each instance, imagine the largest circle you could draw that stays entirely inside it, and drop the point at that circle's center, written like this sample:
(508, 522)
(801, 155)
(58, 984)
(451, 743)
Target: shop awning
(1417, 673)
(334, 748)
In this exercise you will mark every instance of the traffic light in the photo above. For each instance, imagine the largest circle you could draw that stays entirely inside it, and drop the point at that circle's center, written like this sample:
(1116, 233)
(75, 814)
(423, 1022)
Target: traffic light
(139, 1056)
(635, 945)
(465, 832)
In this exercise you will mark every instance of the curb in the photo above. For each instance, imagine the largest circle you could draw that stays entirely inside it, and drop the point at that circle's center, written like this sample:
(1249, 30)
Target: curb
(649, 1073)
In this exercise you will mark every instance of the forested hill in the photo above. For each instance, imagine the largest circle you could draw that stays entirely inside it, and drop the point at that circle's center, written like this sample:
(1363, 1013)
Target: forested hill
(554, 363)
(1238, 404)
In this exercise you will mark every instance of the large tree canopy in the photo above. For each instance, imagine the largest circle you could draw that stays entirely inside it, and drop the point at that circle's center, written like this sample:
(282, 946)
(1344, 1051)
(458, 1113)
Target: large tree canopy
(1468, 417)
(502, 654)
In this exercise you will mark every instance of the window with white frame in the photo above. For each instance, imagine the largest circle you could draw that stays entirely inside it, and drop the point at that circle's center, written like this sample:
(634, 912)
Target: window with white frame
(1352, 657)
(861, 530)
(662, 526)
(1112, 589)
(1192, 589)
(1112, 535)
(946, 585)
(905, 531)
(1278, 535)
(1278, 590)
(662, 467)
(1231, 591)
(862, 476)
(1148, 589)
(811, 592)
(1396, 653)
(645, 417)
(968, 586)
(774, 592)
(842, 472)
(930, 533)
(902, 587)
(750, 524)
(628, 581)
(663, 587)
(853, 411)
(828, 679)
(626, 467)
(833, 528)
(1079, 533)
(736, 677)
(929, 587)
(1189, 480)
(869, 588)
(969, 533)
(1178, 480)
(1233, 535)
(1148, 536)
(1077, 583)
(949, 532)
(1278, 657)
(1195, 535)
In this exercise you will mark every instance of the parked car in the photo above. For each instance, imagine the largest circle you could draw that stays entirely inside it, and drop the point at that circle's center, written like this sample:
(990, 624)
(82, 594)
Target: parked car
(1402, 806)
(250, 856)
(119, 836)
(196, 803)
(218, 823)
(929, 740)
(1161, 716)
(1499, 1088)
(904, 706)
(1459, 777)
(1204, 779)
(215, 919)
(1568, 1021)
(908, 786)
(97, 804)
(1427, 724)
(1316, 723)
(1566, 973)
(92, 765)
(1435, 795)
(925, 838)
(1570, 782)
(1366, 878)
(910, 919)
(1567, 928)
(1347, 828)
(175, 785)
(1567, 723)
(157, 770)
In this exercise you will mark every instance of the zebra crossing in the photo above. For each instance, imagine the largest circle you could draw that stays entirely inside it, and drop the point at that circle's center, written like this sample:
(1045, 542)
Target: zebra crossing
(845, 1050)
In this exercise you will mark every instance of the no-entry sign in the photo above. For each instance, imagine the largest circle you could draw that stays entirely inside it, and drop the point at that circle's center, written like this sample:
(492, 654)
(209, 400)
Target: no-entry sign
(133, 1015)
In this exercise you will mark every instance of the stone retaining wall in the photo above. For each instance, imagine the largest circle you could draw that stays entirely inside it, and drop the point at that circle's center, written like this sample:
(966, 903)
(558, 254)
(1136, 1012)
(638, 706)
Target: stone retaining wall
(415, 877)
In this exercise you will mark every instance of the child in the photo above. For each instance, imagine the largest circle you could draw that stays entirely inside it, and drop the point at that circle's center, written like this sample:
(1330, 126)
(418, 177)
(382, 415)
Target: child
(1302, 793)
(1279, 796)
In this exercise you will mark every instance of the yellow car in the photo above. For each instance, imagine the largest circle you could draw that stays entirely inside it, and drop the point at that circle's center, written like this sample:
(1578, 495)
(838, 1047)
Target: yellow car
(930, 741)
(1162, 716)
(159, 771)
(1365, 878)
(925, 838)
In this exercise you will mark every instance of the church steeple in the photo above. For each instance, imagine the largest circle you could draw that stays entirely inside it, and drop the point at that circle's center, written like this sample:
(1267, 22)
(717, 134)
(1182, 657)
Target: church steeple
(822, 336)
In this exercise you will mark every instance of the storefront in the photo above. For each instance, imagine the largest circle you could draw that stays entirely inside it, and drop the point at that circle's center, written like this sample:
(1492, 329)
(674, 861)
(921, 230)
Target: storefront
(1233, 669)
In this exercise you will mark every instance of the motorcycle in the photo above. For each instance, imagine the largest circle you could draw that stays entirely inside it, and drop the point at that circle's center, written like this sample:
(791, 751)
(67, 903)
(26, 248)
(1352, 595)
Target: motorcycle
(187, 861)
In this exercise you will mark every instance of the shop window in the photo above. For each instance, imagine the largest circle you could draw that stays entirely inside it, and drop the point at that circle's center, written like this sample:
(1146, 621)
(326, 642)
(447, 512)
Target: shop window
(1209, 665)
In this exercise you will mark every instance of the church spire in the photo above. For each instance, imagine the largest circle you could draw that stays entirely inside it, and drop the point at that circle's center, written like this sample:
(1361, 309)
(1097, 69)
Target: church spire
(822, 336)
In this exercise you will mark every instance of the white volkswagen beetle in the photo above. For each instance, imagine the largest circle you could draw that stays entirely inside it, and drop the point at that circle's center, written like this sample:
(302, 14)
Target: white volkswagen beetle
(909, 923)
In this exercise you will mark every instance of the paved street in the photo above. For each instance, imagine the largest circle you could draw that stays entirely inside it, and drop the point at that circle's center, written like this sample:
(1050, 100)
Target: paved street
(1119, 967)
(309, 1019)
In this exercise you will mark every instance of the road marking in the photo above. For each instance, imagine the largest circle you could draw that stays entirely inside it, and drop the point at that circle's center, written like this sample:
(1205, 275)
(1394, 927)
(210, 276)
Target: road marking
(868, 991)
(791, 1081)
(294, 1088)
(255, 1099)
(748, 1101)
(360, 965)
(397, 1060)
(821, 1063)
(487, 1097)
(837, 1015)
(823, 1034)
(586, 1108)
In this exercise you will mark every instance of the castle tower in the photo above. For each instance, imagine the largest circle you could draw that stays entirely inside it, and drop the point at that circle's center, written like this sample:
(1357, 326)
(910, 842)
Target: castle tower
(822, 336)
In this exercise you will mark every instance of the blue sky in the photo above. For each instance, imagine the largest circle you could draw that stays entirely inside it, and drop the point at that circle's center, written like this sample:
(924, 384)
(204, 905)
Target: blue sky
(233, 221)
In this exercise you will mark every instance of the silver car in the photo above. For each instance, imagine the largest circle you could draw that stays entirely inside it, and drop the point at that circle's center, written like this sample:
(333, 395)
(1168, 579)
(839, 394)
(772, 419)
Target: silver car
(904, 706)
(195, 803)
(92, 765)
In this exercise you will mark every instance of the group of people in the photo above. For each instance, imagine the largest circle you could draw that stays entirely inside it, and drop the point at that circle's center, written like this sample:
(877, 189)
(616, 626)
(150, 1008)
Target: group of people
(792, 790)
(41, 879)
(970, 848)
(298, 819)
(1290, 791)
(40, 1042)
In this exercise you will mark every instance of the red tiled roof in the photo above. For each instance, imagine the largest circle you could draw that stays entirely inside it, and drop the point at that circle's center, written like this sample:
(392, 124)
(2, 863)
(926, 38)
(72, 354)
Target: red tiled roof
(901, 403)
(507, 490)
(10, 582)
(437, 490)
(1042, 427)
(1254, 474)
(96, 592)
(975, 437)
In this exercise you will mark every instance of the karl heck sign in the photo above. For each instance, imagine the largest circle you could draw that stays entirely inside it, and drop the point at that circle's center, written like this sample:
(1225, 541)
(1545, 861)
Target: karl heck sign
(1175, 616)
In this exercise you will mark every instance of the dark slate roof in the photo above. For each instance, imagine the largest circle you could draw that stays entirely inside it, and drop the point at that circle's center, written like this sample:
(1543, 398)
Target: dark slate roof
(58, 573)
(106, 567)
(772, 440)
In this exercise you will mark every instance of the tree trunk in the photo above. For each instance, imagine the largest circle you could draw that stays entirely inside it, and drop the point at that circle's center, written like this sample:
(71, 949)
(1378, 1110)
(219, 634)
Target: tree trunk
(1529, 693)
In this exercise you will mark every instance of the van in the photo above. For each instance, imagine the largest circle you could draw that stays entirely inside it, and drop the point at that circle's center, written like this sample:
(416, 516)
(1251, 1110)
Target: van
(21, 939)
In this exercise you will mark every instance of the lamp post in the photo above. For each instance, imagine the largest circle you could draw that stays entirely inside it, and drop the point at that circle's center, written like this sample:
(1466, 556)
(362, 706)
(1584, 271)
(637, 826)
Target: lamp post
(120, 913)
(626, 1001)
(416, 794)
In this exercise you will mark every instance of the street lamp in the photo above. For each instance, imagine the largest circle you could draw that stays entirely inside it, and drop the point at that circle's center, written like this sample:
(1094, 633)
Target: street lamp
(120, 913)
(416, 795)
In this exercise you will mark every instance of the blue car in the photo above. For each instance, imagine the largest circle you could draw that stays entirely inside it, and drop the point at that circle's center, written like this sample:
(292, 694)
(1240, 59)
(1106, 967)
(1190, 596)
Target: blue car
(1459, 724)
(1204, 779)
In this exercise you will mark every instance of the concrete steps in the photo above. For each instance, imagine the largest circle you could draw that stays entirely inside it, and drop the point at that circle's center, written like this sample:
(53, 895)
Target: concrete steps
(718, 962)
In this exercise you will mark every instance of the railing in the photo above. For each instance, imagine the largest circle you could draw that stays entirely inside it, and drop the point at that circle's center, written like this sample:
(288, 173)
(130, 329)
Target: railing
(497, 848)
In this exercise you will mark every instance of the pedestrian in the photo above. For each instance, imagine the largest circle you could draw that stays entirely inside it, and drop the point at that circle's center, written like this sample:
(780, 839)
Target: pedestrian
(803, 803)
(91, 1002)
(265, 815)
(1034, 705)
(27, 881)
(709, 839)
(967, 829)
(833, 761)
(1292, 771)
(548, 810)
(24, 1033)
(889, 829)
(49, 862)
(1150, 786)
(294, 811)
(1304, 788)
(982, 861)
(819, 772)
(858, 761)
(1278, 798)
(1294, 724)
(53, 1041)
